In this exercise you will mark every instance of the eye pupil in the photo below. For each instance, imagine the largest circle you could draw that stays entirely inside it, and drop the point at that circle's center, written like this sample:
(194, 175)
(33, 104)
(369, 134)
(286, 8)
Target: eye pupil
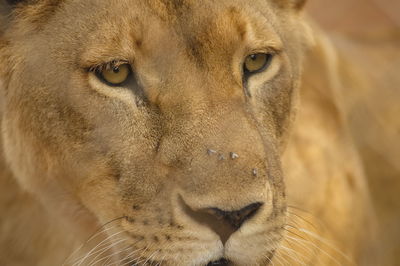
(115, 75)
(256, 63)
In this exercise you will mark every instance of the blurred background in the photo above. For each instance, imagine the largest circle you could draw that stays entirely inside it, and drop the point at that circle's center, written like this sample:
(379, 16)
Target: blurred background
(374, 18)
(355, 16)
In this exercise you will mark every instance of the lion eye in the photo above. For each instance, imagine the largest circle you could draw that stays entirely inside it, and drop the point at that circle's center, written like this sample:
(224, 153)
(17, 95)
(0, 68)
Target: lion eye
(256, 63)
(116, 75)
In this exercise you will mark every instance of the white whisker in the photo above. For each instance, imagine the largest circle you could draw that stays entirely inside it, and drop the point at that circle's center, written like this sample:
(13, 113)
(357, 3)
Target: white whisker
(134, 259)
(87, 241)
(303, 245)
(320, 249)
(108, 256)
(295, 253)
(326, 242)
(104, 249)
(93, 249)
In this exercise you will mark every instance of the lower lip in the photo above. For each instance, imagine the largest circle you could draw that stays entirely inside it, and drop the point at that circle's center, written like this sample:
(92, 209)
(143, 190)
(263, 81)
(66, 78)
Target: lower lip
(221, 262)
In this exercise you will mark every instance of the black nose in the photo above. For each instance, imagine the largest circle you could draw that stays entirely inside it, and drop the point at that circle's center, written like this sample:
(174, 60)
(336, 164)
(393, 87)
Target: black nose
(235, 218)
(224, 223)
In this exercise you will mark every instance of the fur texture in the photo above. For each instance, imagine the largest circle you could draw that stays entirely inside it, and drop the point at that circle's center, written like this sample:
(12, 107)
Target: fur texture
(126, 171)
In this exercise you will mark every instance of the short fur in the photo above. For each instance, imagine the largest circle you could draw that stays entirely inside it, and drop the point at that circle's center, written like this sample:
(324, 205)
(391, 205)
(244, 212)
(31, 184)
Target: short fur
(121, 171)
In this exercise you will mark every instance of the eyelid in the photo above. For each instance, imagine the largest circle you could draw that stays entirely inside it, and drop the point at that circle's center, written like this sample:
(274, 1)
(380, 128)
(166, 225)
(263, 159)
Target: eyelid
(98, 70)
(272, 50)
(268, 50)
(270, 58)
(271, 45)
(108, 65)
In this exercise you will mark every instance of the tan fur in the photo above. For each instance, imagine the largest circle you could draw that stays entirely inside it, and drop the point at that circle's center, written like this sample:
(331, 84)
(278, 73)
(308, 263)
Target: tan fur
(126, 170)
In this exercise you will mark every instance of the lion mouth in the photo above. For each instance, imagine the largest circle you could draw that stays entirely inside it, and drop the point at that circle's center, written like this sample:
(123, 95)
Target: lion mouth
(221, 262)
(225, 262)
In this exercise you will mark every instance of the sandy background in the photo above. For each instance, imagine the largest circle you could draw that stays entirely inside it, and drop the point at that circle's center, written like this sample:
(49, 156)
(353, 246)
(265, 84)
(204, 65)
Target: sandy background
(355, 15)
(370, 16)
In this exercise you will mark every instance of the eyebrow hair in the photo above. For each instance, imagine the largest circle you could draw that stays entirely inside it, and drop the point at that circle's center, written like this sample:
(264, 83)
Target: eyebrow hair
(36, 12)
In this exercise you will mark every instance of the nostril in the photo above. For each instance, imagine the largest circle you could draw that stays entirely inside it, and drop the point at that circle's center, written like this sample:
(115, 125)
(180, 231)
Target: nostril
(224, 223)
(236, 218)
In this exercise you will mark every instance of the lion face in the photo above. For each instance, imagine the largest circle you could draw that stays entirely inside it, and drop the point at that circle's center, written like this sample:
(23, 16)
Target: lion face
(164, 119)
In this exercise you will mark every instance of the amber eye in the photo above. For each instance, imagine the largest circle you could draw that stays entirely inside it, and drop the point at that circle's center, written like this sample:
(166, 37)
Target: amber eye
(116, 75)
(256, 63)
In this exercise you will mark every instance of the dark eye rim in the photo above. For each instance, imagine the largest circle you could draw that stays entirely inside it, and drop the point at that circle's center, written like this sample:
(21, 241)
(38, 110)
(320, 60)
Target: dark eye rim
(99, 69)
(267, 63)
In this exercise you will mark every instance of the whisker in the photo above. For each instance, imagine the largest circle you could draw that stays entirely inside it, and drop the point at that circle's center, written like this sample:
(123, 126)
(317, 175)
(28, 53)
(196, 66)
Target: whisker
(293, 227)
(93, 249)
(151, 256)
(276, 247)
(315, 236)
(99, 231)
(327, 243)
(110, 255)
(144, 253)
(303, 245)
(104, 225)
(295, 253)
(107, 262)
(133, 259)
(307, 221)
(269, 260)
(132, 253)
(161, 260)
(281, 255)
(299, 209)
(307, 241)
(320, 249)
(104, 248)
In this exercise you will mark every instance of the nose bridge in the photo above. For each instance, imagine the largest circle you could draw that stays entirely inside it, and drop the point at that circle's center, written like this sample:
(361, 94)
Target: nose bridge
(234, 139)
(215, 148)
(203, 126)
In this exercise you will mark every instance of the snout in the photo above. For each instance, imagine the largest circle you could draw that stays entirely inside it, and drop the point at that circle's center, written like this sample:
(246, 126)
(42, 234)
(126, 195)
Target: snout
(244, 234)
(221, 198)
(222, 222)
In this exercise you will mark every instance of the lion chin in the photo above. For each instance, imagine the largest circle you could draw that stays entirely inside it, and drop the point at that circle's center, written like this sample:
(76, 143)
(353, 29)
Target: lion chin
(180, 132)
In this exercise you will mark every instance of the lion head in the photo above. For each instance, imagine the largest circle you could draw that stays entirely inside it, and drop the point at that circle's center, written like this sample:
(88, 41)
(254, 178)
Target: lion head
(164, 119)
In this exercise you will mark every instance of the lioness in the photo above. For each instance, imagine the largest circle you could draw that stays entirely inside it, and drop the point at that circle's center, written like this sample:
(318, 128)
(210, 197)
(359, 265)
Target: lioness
(164, 132)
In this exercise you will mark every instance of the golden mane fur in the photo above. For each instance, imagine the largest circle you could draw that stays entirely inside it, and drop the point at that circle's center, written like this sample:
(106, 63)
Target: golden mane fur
(133, 175)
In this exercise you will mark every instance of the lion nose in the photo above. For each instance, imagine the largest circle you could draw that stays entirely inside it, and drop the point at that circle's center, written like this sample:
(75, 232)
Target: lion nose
(235, 218)
(225, 223)
(222, 222)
